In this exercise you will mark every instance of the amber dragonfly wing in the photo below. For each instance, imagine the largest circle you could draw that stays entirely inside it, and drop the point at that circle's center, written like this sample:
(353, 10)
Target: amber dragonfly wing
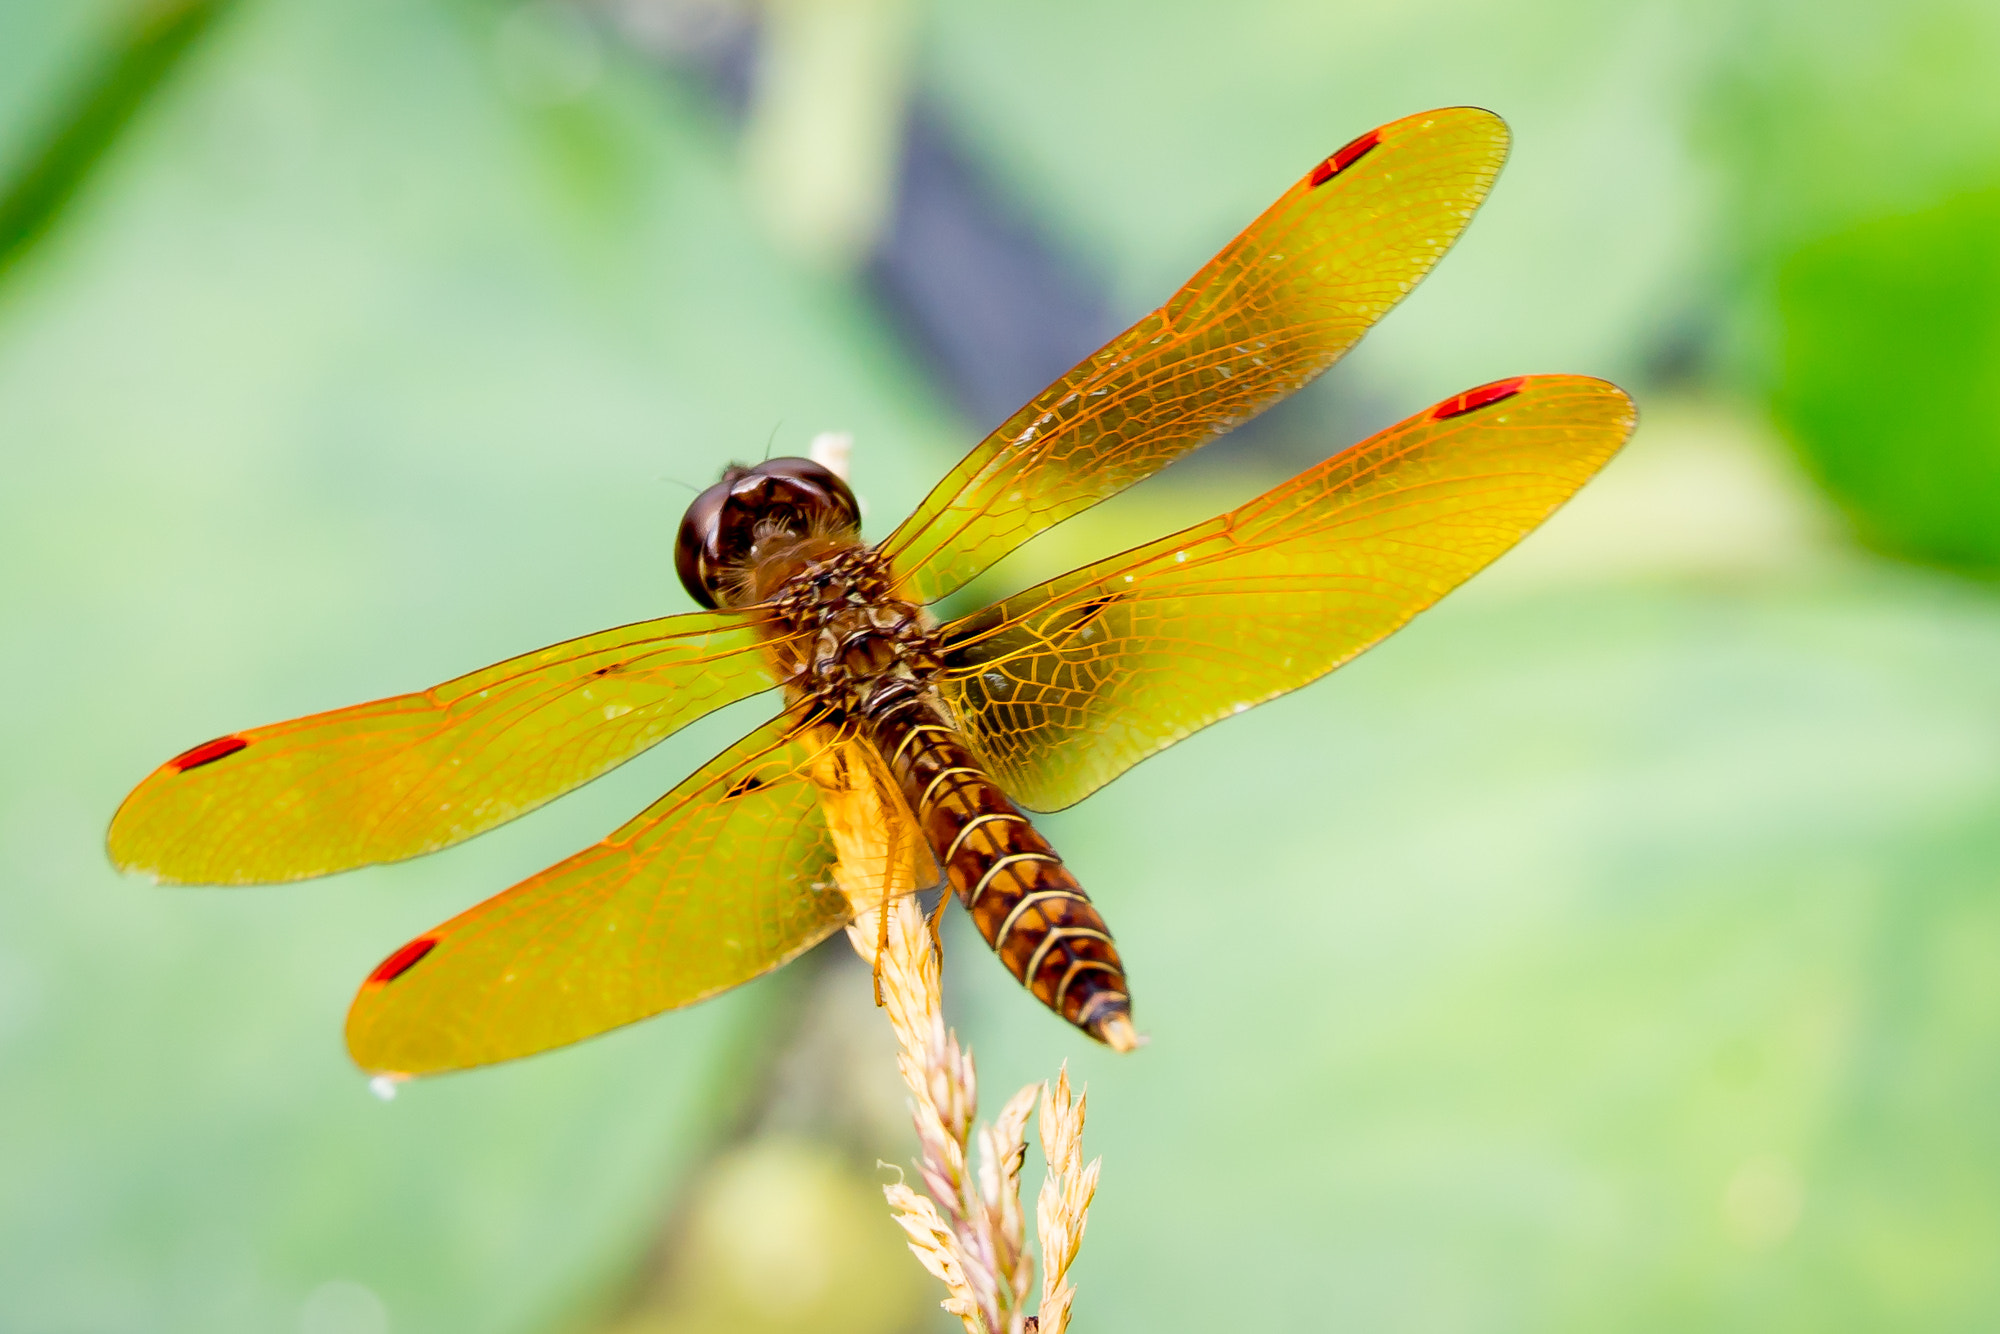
(397, 777)
(727, 876)
(1066, 685)
(1280, 304)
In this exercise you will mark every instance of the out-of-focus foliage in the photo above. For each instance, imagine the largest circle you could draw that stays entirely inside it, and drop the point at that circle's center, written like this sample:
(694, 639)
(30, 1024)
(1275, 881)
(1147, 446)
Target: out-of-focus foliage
(1821, 115)
(1601, 959)
(1888, 375)
(778, 1236)
(141, 53)
(358, 363)
(1610, 951)
(1670, 159)
(1861, 144)
(1154, 141)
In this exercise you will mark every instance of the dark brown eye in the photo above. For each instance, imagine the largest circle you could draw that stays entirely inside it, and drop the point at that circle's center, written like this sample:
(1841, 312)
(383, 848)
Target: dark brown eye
(698, 528)
(778, 498)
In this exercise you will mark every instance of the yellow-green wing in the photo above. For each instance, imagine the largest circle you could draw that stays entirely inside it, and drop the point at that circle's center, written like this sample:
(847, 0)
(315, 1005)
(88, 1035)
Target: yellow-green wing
(1066, 685)
(727, 876)
(396, 777)
(1280, 304)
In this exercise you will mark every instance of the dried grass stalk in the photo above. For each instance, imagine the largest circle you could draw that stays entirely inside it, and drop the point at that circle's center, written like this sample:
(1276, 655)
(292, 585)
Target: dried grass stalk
(1063, 1207)
(968, 1230)
(968, 1227)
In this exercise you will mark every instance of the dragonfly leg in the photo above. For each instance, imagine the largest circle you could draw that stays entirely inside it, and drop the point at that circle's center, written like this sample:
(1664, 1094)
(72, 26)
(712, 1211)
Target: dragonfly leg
(892, 851)
(937, 921)
(881, 947)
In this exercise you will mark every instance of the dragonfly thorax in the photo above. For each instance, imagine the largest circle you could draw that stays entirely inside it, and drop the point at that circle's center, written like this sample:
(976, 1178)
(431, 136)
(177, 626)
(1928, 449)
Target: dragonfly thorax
(840, 634)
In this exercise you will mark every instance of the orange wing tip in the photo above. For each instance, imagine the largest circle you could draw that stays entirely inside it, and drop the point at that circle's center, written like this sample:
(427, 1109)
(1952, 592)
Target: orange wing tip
(208, 752)
(1117, 1033)
(1485, 396)
(402, 961)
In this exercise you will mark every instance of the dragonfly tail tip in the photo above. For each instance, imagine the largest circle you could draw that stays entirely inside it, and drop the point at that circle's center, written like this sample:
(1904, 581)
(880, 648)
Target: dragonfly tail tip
(1117, 1033)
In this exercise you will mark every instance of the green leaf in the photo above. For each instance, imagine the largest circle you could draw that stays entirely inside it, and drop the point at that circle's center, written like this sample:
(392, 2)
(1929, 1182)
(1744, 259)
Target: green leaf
(1888, 376)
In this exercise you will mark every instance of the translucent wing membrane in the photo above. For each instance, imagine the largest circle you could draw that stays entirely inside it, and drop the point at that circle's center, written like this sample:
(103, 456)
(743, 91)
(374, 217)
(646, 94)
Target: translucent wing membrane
(397, 777)
(801, 825)
(1066, 685)
(755, 858)
(1279, 305)
(728, 875)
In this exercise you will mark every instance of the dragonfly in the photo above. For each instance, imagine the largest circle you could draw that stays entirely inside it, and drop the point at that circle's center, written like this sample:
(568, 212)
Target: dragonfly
(909, 752)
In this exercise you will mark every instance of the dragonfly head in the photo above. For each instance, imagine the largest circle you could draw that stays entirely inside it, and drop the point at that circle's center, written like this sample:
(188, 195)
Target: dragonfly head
(750, 515)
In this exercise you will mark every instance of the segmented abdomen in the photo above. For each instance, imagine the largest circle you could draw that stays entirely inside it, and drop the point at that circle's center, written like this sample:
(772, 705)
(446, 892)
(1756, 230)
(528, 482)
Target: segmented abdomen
(1023, 899)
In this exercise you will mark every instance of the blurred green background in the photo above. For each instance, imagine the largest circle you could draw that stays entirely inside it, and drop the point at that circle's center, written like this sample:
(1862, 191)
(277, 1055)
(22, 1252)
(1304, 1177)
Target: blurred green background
(1617, 948)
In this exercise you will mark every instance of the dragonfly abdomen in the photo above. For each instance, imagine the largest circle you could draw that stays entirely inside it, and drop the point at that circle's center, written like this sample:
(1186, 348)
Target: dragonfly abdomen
(1025, 902)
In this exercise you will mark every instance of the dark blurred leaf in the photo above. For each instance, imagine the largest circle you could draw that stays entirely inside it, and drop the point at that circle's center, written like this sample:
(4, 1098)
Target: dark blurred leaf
(149, 48)
(1888, 376)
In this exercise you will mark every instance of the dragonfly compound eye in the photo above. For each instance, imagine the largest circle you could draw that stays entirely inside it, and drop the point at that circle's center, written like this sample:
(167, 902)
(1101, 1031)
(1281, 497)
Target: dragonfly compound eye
(749, 513)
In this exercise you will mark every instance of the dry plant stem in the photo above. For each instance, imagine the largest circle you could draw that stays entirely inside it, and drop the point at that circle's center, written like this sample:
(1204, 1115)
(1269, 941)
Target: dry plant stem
(968, 1229)
(1064, 1204)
